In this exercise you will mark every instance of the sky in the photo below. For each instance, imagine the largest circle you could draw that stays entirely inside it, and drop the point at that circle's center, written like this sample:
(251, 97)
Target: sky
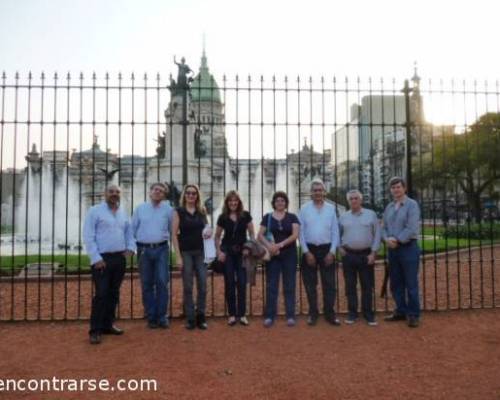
(448, 39)
(358, 38)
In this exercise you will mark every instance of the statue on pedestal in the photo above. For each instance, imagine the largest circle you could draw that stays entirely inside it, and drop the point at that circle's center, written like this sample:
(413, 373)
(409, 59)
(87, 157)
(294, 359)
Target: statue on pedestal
(183, 80)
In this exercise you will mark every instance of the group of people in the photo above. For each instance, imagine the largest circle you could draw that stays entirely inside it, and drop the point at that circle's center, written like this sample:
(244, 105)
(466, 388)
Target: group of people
(110, 237)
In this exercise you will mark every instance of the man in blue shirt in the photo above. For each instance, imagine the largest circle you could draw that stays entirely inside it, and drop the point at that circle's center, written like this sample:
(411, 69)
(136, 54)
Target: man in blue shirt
(400, 232)
(319, 239)
(108, 240)
(151, 226)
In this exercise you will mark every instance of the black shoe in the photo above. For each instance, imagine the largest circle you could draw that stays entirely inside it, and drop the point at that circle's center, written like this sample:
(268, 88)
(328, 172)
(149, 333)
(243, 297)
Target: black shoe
(332, 319)
(190, 324)
(201, 322)
(152, 325)
(395, 317)
(114, 330)
(312, 320)
(164, 324)
(95, 338)
(413, 322)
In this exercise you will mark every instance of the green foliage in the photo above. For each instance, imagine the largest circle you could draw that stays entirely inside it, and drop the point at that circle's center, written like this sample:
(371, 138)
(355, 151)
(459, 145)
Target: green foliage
(5, 229)
(467, 161)
(484, 231)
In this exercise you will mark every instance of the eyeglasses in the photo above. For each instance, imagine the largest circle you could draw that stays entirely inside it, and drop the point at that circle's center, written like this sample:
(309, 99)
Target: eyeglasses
(191, 193)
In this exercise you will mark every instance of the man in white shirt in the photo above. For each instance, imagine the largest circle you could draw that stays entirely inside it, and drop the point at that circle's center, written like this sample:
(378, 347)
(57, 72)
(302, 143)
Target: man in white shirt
(319, 239)
(108, 241)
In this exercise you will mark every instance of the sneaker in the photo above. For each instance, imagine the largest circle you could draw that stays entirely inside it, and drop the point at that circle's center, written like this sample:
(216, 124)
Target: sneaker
(268, 322)
(372, 322)
(201, 322)
(244, 321)
(190, 324)
(231, 321)
(290, 322)
(395, 317)
(350, 320)
(312, 320)
(413, 322)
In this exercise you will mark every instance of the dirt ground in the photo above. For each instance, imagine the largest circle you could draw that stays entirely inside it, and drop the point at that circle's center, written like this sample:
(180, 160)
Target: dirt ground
(465, 279)
(452, 355)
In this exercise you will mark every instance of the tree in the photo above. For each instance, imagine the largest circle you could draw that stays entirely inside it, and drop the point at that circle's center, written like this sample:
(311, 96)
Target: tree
(469, 161)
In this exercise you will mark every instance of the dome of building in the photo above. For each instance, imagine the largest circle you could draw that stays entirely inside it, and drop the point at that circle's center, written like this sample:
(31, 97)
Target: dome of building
(204, 88)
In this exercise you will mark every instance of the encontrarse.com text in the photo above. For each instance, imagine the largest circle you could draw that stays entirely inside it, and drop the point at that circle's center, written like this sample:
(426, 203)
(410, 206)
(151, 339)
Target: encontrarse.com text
(77, 385)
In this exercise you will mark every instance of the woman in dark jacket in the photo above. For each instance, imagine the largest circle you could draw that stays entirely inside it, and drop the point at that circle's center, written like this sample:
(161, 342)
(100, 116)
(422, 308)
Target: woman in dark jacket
(189, 228)
(234, 222)
(279, 231)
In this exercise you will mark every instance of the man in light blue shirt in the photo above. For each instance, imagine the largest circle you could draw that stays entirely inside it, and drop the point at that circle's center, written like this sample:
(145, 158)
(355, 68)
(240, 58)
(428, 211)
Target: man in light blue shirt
(360, 241)
(400, 232)
(319, 239)
(108, 240)
(151, 226)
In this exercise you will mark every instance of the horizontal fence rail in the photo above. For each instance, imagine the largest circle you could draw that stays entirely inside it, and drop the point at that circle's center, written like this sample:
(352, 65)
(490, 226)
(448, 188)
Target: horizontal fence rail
(63, 138)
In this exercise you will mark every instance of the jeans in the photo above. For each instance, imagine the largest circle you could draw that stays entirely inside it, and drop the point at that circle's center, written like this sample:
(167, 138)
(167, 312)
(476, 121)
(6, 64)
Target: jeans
(355, 265)
(286, 263)
(403, 273)
(107, 282)
(235, 280)
(193, 261)
(155, 276)
(310, 279)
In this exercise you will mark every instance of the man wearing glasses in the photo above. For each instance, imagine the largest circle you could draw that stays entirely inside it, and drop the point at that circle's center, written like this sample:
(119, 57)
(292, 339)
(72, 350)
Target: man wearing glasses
(108, 241)
(360, 235)
(151, 226)
(319, 238)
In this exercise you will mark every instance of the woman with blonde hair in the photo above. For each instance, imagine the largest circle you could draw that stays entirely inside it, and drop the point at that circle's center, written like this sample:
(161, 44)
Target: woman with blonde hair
(188, 231)
(235, 222)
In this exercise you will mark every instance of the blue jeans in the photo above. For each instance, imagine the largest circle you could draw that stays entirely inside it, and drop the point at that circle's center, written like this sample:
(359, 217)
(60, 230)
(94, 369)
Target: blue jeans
(154, 278)
(404, 263)
(235, 280)
(193, 261)
(285, 263)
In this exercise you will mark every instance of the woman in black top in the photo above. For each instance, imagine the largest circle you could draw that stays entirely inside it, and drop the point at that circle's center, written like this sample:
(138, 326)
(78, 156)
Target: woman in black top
(279, 231)
(234, 222)
(189, 228)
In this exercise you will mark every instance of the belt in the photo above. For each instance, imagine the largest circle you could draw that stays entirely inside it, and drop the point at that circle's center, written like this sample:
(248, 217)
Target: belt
(317, 246)
(411, 241)
(152, 245)
(357, 251)
(115, 253)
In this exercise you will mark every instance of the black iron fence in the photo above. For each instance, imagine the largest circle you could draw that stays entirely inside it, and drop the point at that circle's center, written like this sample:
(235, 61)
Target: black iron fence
(64, 138)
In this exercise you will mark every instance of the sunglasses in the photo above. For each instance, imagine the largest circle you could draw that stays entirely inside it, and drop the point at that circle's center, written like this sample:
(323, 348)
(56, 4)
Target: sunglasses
(191, 193)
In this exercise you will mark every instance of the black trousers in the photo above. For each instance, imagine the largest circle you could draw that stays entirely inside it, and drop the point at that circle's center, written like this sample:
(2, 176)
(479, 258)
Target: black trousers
(107, 282)
(310, 279)
(356, 265)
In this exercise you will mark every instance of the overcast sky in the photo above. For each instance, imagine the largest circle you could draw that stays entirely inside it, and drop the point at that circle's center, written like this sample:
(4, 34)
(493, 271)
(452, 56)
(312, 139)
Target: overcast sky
(358, 37)
(378, 38)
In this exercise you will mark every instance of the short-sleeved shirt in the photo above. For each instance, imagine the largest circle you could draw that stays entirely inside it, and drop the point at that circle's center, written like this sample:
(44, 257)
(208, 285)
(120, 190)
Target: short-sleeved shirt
(190, 229)
(235, 232)
(281, 229)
